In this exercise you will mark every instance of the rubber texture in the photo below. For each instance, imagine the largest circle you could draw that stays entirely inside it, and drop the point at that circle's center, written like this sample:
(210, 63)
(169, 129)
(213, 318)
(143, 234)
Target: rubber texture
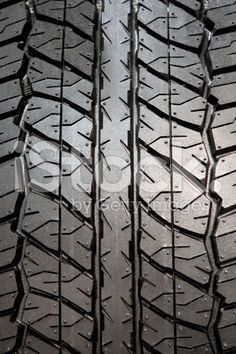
(92, 90)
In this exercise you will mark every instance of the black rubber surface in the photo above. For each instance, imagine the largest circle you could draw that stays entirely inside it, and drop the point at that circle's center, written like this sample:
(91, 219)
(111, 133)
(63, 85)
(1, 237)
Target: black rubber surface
(117, 176)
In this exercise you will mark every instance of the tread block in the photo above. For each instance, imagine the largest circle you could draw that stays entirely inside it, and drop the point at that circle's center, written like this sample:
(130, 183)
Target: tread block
(149, 54)
(154, 91)
(8, 244)
(43, 112)
(37, 222)
(76, 240)
(195, 5)
(158, 333)
(145, 351)
(45, 77)
(77, 330)
(77, 90)
(153, 14)
(187, 106)
(9, 134)
(12, 21)
(191, 341)
(191, 258)
(44, 116)
(222, 14)
(81, 15)
(156, 240)
(77, 287)
(35, 345)
(224, 128)
(46, 38)
(226, 284)
(191, 206)
(224, 183)
(225, 238)
(8, 290)
(78, 52)
(8, 333)
(41, 270)
(9, 189)
(185, 65)
(226, 328)
(76, 235)
(192, 305)
(42, 161)
(77, 131)
(182, 24)
(188, 149)
(77, 184)
(11, 62)
(222, 50)
(186, 26)
(42, 315)
(224, 88)
(10, 96)
(50, 9)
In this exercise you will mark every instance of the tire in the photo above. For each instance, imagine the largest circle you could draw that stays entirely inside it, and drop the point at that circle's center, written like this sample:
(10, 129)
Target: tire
(117, 217)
